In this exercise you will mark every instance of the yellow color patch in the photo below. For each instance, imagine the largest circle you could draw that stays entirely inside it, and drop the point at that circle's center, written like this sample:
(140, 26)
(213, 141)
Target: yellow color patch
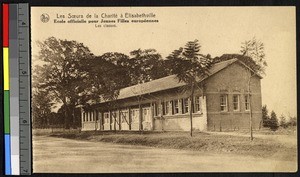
(6, 68)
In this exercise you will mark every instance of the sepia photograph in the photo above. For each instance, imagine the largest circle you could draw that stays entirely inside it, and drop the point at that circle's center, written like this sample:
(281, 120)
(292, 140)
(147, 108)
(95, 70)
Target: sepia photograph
(164, 89)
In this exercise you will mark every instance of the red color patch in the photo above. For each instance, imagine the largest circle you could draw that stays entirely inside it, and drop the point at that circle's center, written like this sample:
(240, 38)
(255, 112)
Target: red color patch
(5, 16)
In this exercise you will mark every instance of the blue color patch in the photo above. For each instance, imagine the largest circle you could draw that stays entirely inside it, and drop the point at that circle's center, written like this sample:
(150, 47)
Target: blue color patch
(7, 154)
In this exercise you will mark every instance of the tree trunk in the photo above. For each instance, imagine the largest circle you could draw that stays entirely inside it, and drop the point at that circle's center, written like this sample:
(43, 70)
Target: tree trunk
(129, 118)
(140, 116)
(66, 113)
(115, 123)
(191, 108)
(250, 108)
(73, 118)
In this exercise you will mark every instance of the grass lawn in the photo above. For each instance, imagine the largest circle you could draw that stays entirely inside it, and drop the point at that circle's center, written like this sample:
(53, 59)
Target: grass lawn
(204, 142)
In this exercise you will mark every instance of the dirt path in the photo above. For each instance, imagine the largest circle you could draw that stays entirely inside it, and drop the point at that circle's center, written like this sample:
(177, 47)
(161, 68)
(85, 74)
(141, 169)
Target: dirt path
(72, 156)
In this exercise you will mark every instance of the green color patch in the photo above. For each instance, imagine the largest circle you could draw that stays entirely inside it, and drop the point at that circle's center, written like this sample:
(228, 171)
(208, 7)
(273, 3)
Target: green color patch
(6, 112)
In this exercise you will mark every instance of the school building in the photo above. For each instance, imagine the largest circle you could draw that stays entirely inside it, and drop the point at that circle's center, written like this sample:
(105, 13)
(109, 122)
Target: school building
(221, 103)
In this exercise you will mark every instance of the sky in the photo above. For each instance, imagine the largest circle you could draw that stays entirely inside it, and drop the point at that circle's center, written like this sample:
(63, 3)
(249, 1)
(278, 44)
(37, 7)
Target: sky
(219, 30)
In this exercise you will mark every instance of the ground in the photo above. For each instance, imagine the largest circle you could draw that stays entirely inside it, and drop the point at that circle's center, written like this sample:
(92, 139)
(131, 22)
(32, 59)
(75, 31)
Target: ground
(87, 153)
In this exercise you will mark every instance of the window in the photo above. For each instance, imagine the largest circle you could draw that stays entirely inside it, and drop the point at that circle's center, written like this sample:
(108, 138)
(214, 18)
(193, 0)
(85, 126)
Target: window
(176, 106)
(236, 102)
(197, 104)
(106, 117)
(159, 109)
(134, 115)
(247, 103)
(185, 105)
(114, 116)
(163, 108)
(155, 109)
(223, 103)
(172, 106)
(96, 115)
(123, 116)
(92, 116)
(166, 105)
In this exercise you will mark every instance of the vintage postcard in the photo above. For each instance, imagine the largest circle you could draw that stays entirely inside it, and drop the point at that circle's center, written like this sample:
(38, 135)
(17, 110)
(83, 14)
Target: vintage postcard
(163, 89)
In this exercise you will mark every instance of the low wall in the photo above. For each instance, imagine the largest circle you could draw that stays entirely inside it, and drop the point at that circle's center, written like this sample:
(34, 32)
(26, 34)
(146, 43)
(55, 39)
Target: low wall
(90, 126)
(135, 126)
(180, 123)
(125, 126)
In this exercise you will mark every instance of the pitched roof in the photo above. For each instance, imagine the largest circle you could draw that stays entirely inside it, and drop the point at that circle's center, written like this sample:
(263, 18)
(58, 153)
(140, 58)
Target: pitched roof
(166, 83)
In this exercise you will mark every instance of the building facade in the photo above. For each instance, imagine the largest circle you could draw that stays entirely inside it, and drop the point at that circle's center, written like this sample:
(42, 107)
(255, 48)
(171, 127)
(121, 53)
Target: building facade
(221, 103)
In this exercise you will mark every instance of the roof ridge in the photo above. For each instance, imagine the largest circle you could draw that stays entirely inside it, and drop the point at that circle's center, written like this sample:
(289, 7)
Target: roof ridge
(165, 83)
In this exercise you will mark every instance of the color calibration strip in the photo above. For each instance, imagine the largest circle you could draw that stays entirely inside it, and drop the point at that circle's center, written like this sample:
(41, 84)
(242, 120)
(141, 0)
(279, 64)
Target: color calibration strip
(14, 88)
(5, 16)
(16, 83)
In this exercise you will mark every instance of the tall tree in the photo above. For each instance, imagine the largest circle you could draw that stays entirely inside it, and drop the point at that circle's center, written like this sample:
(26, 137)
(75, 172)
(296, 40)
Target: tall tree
(107, 74)
(62, 71)
(283, 121)
(273, 121)
(41, 108)
(292, 121)
(146, 65)
(265, 116)
(254, 49)
(188, 65)
(103, 79)
(123, 66)
(118, 59)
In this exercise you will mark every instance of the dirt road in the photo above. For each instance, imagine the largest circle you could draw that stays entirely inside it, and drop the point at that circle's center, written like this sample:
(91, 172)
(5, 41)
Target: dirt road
(58, 155)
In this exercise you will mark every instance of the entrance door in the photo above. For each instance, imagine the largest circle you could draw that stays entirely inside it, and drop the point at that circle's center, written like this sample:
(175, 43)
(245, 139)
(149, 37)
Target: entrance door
(147, 118)
(124, 119)
(115, 122)
(134, 119)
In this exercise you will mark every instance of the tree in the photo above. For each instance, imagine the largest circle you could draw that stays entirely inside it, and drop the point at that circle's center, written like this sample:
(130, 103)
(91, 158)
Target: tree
(146, 65)
(292, 121)
(123, 65)
(118, 59)
(75, 112)
(57, 119)
(254, 49)
(41, 108)
(106, 75)
(283, 122)
(265, 116)
(189, 65)
(62, 71)
(103, 78)
(273, 121)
